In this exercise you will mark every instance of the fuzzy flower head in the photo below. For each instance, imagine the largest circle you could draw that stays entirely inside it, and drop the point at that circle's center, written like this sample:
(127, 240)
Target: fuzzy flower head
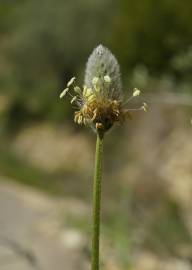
(100, 101)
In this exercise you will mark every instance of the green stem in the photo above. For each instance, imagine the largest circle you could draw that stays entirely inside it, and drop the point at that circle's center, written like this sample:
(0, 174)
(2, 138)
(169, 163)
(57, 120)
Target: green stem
(97, 202)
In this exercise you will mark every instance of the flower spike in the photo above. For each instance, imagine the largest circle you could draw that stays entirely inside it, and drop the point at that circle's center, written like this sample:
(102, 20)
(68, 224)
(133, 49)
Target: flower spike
(100, 101)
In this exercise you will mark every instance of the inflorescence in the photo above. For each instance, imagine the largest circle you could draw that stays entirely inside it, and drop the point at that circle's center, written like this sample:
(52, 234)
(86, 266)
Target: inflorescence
(100, 103)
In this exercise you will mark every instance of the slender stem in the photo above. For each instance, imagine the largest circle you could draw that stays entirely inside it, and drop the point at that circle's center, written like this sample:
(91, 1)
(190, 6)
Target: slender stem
(97, 202)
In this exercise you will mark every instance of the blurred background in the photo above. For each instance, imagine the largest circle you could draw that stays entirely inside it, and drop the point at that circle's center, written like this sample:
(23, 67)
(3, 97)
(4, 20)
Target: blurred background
(46, 161)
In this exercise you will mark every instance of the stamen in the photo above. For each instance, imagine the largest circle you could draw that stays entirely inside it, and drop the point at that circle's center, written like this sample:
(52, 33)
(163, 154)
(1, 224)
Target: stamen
(64, 92)
(70, 94)
(144, 107)
(77, 90)
(84, 121)
(94, 115)
(99, 126)
(74, 99)
(137, 109)
(95, 81)
(71, 82)
(95, 88)
(107, 79)
(88, 94)
(136, 92)
(127, 101)
(76, 118)
(80, 119)
(116, 112)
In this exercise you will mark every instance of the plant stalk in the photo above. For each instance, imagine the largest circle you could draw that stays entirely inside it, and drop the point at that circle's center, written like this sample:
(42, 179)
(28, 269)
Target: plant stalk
(97, 203)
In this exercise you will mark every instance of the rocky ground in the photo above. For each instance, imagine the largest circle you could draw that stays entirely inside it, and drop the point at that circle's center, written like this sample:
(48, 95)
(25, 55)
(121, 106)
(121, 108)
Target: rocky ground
(35, 231)
(31, 235)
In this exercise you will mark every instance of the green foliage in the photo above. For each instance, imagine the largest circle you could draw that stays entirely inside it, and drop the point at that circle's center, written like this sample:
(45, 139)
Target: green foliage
(168, 230)
(151, 32)
(44, 44)
(21, 171)
(49, 42)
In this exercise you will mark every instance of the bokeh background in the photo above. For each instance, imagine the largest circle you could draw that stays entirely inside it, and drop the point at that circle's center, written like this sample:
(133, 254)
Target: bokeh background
(46, 161)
